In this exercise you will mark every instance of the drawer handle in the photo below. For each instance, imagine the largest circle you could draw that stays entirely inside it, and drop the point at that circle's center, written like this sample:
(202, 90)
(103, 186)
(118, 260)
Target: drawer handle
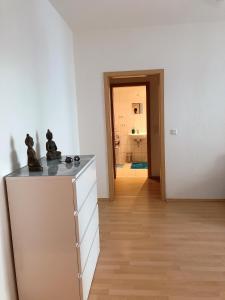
(75, 213)
(77, 245)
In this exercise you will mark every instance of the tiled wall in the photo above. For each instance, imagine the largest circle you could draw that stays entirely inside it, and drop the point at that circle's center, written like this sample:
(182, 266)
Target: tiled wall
(125, 120)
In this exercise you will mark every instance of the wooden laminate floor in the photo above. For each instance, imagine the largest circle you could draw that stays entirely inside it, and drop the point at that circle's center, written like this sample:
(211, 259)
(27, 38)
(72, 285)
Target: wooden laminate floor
(151, 250)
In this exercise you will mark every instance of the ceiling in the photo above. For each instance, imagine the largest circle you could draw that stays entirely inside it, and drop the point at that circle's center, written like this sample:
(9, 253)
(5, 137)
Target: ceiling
(109, 14)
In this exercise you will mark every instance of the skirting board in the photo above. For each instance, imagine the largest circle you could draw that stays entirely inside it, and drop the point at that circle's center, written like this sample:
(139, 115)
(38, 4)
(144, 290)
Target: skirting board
(192, 199)
(179, 200)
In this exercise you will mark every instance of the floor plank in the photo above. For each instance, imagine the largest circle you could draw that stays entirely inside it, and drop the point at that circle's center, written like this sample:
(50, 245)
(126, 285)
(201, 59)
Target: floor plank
(151, 249)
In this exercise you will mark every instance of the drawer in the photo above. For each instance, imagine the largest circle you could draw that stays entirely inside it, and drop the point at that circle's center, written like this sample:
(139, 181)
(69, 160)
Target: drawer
(87, 241)
(83, 184)
(88, 274)
(84, 215)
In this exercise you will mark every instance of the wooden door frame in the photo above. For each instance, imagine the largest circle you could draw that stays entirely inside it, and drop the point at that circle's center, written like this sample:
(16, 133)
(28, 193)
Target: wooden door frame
(132, 84)
(108, 76)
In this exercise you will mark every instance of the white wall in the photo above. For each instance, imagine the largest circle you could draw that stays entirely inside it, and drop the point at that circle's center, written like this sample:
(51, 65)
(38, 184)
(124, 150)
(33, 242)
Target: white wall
(194, 62)
(37, 92)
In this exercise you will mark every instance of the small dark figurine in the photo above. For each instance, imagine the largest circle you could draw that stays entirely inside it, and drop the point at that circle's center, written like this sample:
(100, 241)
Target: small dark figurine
(68, 159)
(51, 147)
(33, 163)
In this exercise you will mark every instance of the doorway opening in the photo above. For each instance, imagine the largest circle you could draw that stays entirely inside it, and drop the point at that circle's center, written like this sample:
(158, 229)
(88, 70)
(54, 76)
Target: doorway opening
(135, 130)
(131, 151)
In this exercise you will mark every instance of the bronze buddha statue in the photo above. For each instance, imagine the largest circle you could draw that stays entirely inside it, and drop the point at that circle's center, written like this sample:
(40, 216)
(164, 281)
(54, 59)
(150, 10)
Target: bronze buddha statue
(33, 163)
(51, 147)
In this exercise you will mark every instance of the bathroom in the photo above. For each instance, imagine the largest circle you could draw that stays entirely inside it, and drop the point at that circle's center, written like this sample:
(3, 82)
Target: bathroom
(130, 131)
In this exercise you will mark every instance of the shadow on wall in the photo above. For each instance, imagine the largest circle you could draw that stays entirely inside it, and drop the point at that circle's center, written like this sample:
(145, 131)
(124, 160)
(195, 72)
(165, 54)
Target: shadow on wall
(15, 164)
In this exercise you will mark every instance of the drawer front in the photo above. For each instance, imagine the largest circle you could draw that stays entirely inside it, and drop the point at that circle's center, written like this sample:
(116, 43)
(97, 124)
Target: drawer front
(84, 216)
(83, 185)
(87, 241)
(89, 270)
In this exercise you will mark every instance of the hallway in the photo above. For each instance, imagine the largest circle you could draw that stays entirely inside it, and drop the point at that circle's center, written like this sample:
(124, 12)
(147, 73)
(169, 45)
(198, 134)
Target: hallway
(154, 250)
(137, 187)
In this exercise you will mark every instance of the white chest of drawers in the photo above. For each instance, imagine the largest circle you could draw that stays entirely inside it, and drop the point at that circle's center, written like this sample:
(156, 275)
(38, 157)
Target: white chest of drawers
(55, 229)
